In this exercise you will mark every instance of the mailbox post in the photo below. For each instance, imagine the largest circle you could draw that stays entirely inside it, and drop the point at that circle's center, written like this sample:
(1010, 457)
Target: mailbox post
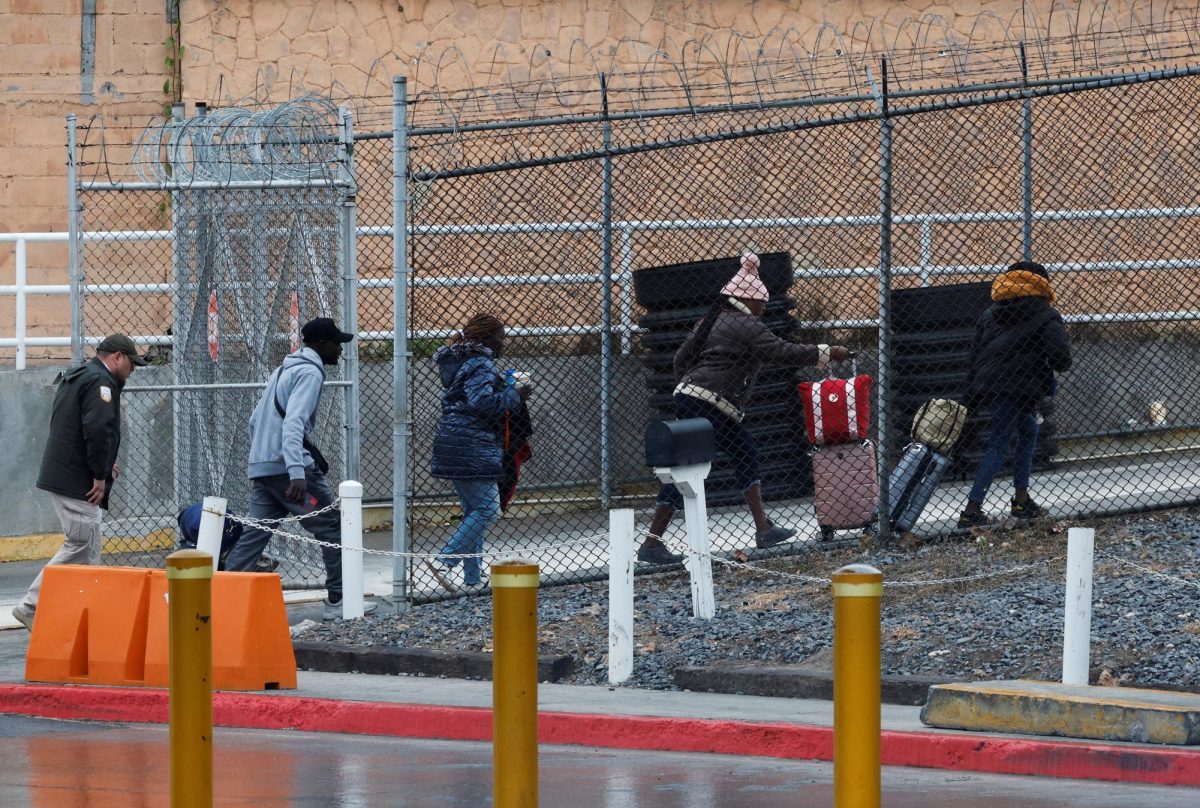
(681, 452)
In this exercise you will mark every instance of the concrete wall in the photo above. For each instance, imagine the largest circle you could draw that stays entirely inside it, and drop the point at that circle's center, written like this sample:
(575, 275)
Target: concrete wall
(25, 400)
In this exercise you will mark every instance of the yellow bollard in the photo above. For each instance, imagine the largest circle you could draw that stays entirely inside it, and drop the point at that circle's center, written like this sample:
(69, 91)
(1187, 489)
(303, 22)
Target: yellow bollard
(857, 590)
(189, 596)
(514, 684)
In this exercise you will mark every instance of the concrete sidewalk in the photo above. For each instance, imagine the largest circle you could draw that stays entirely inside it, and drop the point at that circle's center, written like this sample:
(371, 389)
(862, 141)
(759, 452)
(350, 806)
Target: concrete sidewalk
(623, 718)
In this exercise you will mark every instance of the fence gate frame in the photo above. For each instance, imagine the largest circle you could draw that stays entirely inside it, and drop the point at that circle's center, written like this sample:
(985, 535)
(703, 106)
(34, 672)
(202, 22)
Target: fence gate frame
(345, 273)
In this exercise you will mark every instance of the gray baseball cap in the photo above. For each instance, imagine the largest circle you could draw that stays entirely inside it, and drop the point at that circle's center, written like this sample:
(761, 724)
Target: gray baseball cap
(119, 343)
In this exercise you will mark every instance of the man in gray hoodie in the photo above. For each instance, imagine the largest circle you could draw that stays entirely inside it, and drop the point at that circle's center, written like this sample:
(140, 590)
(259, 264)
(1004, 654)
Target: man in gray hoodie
(287, 473)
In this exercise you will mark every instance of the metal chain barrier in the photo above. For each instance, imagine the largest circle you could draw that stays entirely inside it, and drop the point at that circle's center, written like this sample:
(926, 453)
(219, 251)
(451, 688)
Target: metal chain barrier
(680, 547)
(266, 524)
(1148, 571)
(271, 526)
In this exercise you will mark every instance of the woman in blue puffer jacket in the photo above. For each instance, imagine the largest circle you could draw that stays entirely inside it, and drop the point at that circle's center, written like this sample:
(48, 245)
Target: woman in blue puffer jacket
(468, 446)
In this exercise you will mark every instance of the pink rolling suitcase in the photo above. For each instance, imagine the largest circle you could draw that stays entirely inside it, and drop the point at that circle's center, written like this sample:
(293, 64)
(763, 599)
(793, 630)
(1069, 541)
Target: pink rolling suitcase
(846, 487)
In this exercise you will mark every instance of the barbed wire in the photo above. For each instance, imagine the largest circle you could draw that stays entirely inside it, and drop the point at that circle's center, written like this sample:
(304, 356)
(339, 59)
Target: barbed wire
(791, 62)
(254, 136)
(295, 140)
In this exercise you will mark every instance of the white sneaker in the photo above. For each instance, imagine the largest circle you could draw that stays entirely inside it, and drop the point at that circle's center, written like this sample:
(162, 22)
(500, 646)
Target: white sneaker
(333, 611)
(23, 617)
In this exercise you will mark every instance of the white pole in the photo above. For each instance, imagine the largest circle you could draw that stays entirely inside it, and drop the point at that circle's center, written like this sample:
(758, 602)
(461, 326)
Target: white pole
(212, 525)
(21, 278)
(1077, 628)
(351, 493)
(690, 482)
(620, 595)
(699, 563)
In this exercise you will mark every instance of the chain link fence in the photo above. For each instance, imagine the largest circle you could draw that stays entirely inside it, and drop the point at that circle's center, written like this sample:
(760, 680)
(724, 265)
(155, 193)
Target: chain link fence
(602, 239)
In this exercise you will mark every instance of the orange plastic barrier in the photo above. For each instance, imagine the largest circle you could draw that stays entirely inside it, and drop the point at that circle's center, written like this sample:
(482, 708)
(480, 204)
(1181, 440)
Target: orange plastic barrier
(108, 626)
(252, 647)
(90, 626)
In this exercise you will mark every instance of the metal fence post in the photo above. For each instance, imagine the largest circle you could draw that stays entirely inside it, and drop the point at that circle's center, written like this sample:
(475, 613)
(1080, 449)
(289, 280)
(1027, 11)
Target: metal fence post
(1026, 162)
(73, 261)
(606, 307)
(885, 307)
(348, 257)
(400, 271)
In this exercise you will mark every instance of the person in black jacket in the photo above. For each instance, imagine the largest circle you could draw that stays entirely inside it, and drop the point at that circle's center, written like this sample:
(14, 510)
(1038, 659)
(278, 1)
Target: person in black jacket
(1020, 343)
(79, 465)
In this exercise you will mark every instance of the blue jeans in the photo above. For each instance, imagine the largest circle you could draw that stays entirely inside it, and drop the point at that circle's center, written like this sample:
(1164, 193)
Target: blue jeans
(267, 501)
(728, 435)
(481, 509)
(1007, 418)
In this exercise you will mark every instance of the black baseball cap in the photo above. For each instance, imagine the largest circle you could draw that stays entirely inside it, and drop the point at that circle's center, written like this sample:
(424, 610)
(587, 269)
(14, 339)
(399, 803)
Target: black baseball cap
(322, 328)
(119, 343)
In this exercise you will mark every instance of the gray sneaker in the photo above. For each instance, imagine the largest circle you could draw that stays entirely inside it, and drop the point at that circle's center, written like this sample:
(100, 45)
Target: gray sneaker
(774, 535)
(23, 617)
(333, 611)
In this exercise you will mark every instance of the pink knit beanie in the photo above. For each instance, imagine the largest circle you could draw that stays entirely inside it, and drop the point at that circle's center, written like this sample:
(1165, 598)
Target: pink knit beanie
(746, 284)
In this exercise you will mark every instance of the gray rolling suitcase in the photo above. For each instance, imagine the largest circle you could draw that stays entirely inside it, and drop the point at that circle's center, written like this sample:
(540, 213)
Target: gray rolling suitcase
(913, 482)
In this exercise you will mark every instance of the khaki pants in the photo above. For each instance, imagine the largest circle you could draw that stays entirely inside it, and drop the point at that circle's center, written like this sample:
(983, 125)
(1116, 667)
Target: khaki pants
(81, 523)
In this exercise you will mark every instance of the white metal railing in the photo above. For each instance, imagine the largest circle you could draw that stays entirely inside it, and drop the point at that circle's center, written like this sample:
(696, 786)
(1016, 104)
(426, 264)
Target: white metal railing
(623, 269)
(21, 289)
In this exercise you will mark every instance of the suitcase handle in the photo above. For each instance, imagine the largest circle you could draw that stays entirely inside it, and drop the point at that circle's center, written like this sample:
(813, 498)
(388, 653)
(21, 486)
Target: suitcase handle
(852, 359)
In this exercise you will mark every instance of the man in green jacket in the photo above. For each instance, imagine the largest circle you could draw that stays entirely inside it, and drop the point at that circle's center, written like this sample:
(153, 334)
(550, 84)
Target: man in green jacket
(79, 465)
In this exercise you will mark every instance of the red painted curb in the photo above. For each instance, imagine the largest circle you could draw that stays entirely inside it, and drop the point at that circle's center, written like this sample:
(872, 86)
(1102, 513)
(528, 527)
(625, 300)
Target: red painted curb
(1036, 757)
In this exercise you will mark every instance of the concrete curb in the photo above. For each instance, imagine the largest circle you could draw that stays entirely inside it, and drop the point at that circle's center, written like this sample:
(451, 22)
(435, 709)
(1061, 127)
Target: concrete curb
(338, 658)
(1071, 711)
(1040, 758)
(791, 682)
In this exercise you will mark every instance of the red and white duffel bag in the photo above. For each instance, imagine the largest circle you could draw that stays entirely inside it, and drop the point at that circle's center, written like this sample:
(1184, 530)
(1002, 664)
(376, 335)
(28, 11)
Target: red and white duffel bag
(837, 410)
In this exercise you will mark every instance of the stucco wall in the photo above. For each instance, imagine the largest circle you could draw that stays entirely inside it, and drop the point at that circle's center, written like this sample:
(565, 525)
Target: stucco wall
(107, 58)
(52, 64)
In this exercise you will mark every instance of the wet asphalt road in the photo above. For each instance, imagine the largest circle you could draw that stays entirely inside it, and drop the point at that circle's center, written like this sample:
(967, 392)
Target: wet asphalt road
(68, 764)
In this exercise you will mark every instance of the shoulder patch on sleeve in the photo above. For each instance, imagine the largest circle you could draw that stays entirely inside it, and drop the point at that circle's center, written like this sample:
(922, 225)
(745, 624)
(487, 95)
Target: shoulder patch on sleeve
(105, 393)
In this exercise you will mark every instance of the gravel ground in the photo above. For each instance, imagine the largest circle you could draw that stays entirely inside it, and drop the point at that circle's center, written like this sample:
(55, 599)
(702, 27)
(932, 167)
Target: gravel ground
(1145, 627)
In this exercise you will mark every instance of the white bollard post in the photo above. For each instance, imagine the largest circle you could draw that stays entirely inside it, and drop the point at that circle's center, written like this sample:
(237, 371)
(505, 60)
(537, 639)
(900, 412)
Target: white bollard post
(1077, 614)
(351, 493)
(690, 482)
(212, 525)
(620, 595)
